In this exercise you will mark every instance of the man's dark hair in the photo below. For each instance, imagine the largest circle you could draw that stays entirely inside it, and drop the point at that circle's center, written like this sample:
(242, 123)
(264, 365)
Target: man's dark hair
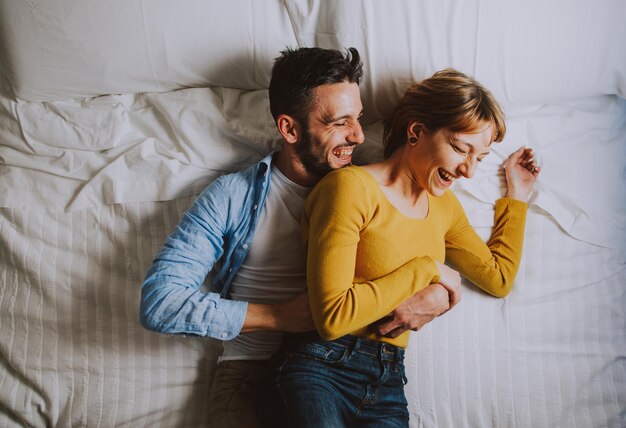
(297, 72)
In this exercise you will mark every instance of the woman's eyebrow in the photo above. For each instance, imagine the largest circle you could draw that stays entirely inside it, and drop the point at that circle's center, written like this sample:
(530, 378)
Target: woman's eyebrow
(468, 145)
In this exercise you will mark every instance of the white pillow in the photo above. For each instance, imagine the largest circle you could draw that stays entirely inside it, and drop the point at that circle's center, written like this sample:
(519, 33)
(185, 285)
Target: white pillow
(58, 49)
(527, 53)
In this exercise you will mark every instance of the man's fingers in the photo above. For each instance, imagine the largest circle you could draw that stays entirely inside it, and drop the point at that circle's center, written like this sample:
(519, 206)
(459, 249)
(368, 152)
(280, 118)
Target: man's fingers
(384, 328)
(395, 332)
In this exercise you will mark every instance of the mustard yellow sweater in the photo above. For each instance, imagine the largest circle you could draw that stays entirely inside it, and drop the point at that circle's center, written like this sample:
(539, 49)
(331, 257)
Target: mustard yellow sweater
(364, 257)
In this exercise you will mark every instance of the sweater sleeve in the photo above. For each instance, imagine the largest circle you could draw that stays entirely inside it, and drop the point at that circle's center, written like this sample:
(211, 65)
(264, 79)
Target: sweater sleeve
(491, 266)
(336, 212)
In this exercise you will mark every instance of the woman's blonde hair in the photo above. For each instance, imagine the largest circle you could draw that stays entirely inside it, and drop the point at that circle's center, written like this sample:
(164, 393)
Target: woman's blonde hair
(449, 99)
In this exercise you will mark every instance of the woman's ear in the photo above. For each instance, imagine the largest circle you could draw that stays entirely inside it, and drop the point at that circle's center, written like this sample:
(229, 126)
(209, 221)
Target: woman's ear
(289, 128)
(414, 129)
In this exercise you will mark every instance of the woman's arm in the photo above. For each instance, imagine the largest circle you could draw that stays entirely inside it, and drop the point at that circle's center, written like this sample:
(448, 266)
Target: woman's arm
(494, 265)
(491, 266)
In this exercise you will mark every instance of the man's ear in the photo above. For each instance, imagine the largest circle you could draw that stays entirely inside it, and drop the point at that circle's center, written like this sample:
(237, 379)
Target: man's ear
(289, 128)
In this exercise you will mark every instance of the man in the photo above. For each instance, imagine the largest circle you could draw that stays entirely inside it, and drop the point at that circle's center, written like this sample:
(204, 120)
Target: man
(247, 226)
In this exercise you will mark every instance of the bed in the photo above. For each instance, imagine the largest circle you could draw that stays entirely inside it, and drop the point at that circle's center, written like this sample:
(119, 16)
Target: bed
(115, 115)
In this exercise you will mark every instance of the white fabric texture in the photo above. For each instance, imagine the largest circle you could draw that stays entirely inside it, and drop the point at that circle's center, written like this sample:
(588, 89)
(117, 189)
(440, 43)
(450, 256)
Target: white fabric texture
(105, 141)
(60, 49)
(129, 148)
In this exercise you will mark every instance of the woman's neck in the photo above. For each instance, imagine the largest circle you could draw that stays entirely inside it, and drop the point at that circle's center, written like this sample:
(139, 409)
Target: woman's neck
(399, 184)
(395, 173)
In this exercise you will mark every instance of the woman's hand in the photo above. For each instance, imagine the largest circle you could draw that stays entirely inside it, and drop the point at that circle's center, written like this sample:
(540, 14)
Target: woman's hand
(412, 314)
(451, 281)
(521, 172)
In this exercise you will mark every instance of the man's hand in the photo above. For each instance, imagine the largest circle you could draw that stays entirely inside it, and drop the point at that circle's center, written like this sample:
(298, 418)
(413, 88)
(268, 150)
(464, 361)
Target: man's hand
(415, 312)
(293, 316)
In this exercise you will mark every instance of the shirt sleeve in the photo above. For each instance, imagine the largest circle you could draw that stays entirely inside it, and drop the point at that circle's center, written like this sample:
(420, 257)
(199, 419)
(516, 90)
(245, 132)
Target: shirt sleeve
(171, 299)
(336, 211)
(492, 266)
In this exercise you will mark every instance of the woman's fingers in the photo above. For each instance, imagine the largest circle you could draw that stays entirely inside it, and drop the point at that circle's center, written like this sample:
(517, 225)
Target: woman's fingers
(525, 157)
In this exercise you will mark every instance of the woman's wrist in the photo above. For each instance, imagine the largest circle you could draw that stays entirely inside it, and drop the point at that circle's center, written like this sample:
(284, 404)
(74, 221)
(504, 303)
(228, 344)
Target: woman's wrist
(521, 196)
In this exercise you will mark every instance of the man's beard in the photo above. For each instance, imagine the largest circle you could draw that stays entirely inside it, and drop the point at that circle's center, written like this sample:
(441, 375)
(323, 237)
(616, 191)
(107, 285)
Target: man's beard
(313, 163)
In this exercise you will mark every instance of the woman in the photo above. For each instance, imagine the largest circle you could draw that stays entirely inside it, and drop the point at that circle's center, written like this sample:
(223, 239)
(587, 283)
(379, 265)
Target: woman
(377, 234)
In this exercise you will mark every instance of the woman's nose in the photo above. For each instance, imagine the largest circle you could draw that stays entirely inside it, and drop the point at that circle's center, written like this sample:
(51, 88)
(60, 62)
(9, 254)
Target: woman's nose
(468, 168)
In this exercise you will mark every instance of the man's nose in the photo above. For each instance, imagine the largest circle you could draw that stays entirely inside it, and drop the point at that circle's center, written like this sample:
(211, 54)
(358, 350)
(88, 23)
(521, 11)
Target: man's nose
(357, 136)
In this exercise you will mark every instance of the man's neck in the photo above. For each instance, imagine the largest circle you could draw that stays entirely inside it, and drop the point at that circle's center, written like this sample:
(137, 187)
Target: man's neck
(289, 164)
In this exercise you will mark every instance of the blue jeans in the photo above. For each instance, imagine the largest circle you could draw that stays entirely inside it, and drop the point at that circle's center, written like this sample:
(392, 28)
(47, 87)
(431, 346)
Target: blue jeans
(348, 382)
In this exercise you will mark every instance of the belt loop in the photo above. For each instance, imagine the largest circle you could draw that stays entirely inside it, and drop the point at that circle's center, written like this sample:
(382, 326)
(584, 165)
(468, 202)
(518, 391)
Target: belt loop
(357, 345)
(396, 357)
(381, 352)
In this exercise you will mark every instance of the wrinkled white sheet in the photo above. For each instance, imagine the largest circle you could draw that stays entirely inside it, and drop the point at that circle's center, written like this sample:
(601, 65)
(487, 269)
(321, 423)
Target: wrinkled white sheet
(68, 155)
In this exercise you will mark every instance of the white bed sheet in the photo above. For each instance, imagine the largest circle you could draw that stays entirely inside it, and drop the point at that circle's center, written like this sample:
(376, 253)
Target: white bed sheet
(73, 353)
(79, 227)
(128, 148)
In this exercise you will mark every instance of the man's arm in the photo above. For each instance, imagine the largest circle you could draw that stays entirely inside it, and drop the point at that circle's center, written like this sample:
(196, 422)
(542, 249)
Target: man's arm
(292, 316)
(172, 301)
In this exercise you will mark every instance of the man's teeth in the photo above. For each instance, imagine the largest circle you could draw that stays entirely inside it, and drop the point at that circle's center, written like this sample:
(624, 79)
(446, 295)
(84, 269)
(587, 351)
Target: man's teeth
(343, 152)
(445, 175)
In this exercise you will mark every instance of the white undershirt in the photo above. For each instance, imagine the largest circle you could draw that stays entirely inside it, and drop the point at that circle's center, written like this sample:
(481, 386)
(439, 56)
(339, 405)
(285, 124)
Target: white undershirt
(274, 268)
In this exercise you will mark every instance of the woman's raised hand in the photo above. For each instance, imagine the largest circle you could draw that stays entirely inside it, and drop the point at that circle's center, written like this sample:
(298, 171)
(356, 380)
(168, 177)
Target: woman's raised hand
(521, 171)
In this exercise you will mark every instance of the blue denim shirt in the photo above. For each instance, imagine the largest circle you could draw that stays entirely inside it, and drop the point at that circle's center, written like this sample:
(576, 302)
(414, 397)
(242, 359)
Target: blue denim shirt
(213, 234)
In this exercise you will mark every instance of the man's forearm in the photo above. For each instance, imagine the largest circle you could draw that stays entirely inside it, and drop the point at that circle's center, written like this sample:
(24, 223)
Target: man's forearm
(260, 317)
(291, 316)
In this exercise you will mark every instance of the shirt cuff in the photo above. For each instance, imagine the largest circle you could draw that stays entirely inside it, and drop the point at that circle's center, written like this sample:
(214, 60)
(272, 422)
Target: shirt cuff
(228, 320)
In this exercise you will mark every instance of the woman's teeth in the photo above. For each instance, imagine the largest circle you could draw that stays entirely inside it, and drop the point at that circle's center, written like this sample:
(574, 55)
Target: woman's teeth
(343, 152)
(445, 175)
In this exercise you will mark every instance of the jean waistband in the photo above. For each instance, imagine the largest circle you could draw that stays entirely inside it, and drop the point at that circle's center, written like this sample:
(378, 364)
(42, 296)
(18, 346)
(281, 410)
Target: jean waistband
(386, 351)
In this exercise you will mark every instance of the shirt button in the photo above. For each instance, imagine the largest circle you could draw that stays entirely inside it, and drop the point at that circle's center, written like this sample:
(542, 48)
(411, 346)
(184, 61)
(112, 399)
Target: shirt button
(254, 207)
(245, 246)
(230, 270)
(224, 335)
